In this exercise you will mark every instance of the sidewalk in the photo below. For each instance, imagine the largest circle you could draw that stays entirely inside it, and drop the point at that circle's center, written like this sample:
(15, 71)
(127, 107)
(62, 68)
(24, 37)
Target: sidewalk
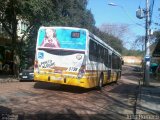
(149, 99)
(7, 78)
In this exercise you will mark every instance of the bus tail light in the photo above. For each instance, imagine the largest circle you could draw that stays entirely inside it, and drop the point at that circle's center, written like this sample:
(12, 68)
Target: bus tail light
(81, 71)
(36, 66)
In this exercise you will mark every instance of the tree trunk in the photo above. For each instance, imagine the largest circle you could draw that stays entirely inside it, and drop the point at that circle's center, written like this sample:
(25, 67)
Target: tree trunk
(15, 47)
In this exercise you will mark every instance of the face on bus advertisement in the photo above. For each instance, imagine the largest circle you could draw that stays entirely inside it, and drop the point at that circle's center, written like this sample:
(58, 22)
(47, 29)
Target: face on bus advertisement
(62, 38)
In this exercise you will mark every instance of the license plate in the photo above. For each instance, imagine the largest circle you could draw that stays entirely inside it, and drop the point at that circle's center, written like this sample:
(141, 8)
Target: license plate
(58, 71)
(56, 78)
(24, 77)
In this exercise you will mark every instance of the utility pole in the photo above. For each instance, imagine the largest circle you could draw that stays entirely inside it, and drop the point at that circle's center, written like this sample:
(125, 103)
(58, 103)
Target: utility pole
(147, 45)
(140, 13)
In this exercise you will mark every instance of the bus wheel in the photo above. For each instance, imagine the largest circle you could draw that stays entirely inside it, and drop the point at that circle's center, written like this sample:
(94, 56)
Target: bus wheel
(100, 83)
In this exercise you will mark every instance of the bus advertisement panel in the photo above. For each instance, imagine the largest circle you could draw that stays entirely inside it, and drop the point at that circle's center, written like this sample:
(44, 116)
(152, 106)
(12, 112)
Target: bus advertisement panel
(62, 38)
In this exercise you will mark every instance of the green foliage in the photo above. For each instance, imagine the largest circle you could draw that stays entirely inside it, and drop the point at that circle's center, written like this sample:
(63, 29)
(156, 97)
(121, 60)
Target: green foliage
(52, 13)
(156, 34)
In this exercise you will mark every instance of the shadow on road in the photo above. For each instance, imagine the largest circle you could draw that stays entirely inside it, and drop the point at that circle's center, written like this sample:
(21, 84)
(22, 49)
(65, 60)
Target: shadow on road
(124, 89)
(5, 113)
(150, 100)
(64, 88)
(69, 115)
(5, 110)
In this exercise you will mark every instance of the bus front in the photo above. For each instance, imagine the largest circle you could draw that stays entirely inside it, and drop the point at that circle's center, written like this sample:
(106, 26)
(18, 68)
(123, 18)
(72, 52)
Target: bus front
(60, 56)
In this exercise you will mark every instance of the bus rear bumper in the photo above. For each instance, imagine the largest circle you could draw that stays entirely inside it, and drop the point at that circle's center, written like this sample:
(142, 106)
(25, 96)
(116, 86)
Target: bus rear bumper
(73, 81)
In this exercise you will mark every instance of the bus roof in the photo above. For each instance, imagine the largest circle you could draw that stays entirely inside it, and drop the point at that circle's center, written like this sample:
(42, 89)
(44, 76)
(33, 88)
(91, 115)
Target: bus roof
(76, 28)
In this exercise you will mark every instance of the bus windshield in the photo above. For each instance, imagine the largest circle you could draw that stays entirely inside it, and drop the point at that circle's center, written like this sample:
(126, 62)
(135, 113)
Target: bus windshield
(61, 38)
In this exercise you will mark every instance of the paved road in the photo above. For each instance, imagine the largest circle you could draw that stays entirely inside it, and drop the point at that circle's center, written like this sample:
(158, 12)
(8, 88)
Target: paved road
(39, 101)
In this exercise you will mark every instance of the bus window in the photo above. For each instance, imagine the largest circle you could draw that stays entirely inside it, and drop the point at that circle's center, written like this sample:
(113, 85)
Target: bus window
(102, 53)
(93, 51)
(109, 61)
(106, 57)
(114, 62)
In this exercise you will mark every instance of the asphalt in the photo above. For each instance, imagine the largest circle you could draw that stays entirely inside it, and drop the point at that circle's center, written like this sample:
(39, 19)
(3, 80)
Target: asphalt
(147, 105)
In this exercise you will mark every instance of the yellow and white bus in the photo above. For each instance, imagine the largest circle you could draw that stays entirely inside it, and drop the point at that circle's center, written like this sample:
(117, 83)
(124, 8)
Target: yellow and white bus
(74, 56)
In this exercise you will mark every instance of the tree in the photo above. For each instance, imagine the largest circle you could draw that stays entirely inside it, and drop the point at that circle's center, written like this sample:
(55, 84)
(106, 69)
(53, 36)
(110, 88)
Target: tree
(75, 13)
(156, 36)
(139, 43)
(59, 13)
(110, 38)
(9, 10)
(36, 12)
(117, 30)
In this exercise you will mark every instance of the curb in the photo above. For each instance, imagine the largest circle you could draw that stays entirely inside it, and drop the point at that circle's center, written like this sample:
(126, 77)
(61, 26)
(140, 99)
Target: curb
(7, 80)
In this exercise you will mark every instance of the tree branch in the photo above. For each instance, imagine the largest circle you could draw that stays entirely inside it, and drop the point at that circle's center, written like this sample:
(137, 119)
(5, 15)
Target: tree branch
(25, 33)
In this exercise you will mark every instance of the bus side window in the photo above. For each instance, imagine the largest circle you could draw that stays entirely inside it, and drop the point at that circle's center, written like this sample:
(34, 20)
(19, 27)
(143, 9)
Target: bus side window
(106, 57)
(115, 61)
(98, 50)
(109, 61)
(119, 67)
(93, 51)
(103, 54)
(100, 58)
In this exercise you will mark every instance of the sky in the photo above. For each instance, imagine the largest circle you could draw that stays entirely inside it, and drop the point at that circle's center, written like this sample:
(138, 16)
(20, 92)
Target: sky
(124, 13)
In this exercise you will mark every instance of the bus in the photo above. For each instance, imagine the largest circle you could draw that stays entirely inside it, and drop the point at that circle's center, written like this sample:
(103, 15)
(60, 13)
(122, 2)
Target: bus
(76, 57)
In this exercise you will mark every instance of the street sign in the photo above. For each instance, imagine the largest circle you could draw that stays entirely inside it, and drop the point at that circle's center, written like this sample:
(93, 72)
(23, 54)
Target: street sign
(147, 58)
